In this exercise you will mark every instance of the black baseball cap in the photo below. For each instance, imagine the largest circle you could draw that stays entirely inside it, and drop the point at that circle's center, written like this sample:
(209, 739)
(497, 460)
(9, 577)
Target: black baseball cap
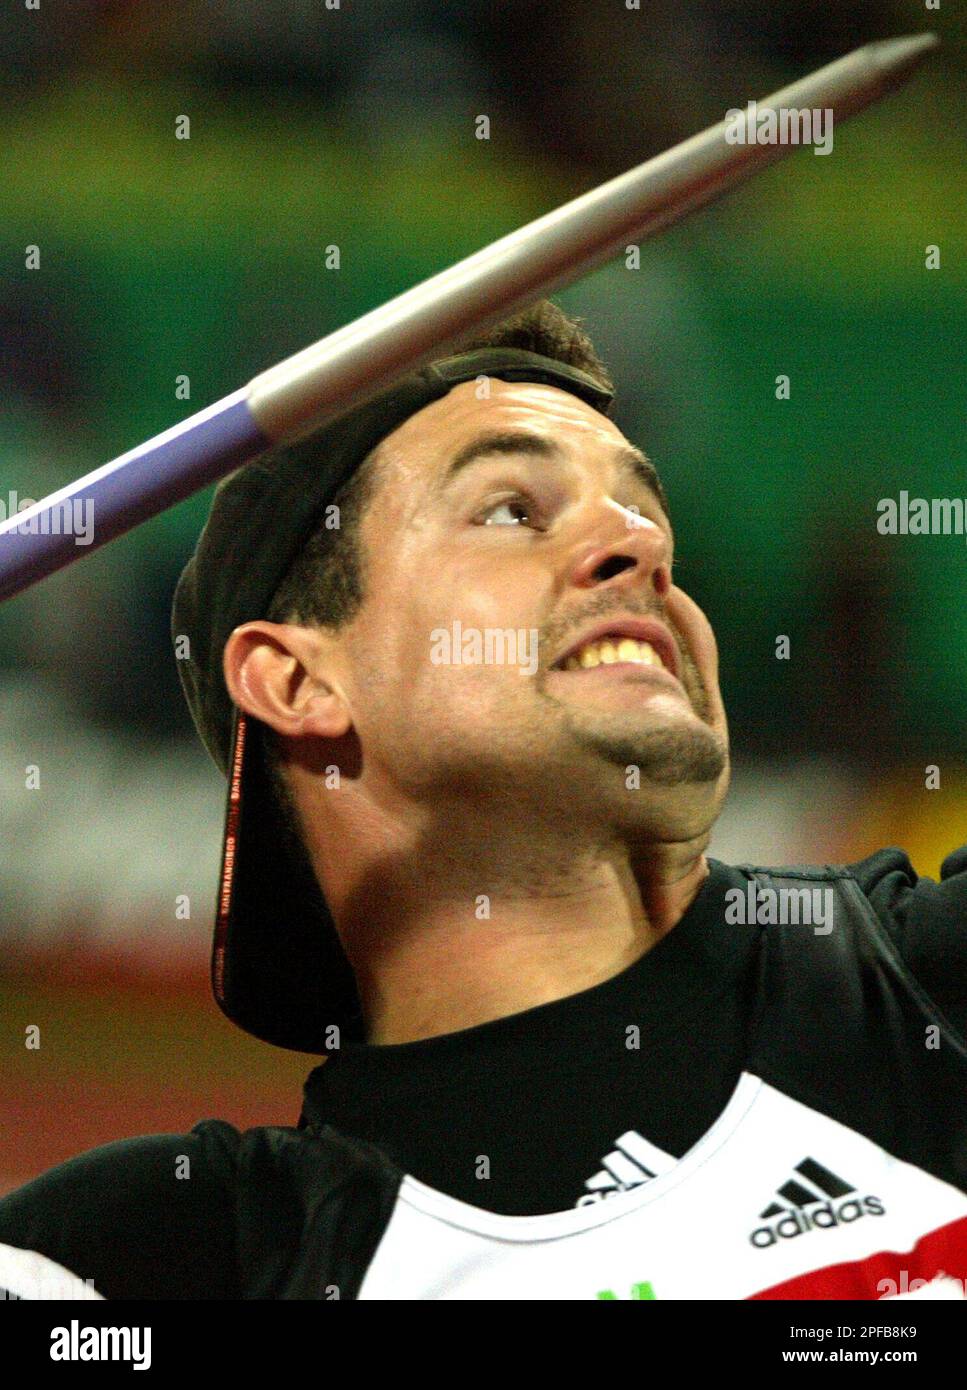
(278, 967)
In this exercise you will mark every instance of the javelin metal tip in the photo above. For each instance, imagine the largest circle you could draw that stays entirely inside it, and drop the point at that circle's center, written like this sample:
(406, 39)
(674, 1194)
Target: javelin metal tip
(896, 58)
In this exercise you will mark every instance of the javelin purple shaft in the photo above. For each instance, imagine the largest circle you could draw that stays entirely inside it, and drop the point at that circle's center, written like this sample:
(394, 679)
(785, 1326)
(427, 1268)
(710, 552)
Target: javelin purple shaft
(293, 398)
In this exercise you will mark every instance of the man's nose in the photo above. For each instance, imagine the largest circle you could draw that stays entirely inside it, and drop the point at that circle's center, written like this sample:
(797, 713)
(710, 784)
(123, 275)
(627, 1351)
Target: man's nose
(635, 549)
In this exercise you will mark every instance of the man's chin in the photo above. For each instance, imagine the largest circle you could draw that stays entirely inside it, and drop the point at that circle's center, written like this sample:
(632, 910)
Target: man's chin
(689, 753)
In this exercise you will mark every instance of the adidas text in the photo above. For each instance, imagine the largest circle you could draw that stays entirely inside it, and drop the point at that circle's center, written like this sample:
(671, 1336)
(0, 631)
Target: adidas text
(822, 1216)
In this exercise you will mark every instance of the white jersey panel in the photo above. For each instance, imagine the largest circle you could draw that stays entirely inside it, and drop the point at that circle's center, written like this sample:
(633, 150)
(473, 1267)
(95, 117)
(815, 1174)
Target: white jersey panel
(774, 1192)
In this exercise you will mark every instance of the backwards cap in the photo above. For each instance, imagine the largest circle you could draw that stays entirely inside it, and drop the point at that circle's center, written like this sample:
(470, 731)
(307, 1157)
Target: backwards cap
(278, 967)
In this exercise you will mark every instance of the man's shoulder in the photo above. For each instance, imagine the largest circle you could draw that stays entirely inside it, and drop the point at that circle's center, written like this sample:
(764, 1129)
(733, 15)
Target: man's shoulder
(926, 919)
(145, 1217)
(889, 880)
(903, 899)
(216, 1212)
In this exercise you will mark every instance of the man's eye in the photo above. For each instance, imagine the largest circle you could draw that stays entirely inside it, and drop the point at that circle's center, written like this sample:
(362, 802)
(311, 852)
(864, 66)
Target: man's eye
(511, 511)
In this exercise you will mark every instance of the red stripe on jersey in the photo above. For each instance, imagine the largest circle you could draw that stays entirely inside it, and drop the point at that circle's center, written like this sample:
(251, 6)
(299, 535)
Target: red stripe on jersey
(940, 1252)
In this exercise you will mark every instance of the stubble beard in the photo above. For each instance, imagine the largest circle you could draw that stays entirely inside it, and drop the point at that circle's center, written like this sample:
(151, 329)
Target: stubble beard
(667, 757)
(687, 754)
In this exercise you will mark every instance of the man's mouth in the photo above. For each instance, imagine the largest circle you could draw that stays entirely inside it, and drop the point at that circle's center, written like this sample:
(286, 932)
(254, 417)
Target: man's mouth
(631, 642)
(607, 653)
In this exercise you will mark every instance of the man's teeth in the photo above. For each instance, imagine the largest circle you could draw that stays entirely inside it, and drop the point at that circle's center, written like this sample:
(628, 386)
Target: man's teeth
(606, 653)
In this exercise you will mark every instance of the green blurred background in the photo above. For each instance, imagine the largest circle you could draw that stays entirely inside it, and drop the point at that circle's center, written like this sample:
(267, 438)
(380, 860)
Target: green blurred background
(354, 127)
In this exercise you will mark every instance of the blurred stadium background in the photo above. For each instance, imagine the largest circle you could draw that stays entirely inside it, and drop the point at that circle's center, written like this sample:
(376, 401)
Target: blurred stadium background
(355, 127)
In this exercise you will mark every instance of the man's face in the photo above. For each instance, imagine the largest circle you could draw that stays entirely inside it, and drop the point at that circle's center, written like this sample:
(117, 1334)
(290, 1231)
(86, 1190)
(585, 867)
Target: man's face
(490, 567)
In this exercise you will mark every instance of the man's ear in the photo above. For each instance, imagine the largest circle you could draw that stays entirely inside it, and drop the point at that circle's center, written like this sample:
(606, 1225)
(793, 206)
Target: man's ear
(280, 673)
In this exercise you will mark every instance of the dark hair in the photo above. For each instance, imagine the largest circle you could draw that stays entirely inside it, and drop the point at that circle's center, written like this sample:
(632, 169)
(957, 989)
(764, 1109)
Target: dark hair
(325, 584)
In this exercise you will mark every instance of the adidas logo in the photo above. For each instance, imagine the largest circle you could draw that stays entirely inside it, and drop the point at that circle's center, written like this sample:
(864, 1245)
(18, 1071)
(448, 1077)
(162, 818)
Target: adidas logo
(632, 1161)
(812, 1205)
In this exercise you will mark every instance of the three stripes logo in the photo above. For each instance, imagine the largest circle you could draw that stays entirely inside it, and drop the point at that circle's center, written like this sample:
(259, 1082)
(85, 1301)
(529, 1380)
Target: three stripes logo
(632, 1161)
(812, 1201)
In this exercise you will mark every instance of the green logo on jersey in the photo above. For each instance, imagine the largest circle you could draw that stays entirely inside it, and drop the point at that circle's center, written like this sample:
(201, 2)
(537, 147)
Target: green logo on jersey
(637, 1291)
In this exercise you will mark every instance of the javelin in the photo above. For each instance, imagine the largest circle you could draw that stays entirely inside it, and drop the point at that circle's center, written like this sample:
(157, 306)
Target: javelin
(340, 371)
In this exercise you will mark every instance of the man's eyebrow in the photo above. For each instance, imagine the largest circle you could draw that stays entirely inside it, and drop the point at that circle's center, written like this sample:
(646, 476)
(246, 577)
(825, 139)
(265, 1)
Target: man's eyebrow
(630, 459)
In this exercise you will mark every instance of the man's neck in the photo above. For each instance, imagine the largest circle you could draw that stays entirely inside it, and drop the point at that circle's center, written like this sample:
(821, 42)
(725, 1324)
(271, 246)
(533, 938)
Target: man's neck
(430, 964)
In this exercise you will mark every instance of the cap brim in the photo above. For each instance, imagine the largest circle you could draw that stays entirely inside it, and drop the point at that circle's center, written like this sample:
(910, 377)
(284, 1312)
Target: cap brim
(278, 967)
